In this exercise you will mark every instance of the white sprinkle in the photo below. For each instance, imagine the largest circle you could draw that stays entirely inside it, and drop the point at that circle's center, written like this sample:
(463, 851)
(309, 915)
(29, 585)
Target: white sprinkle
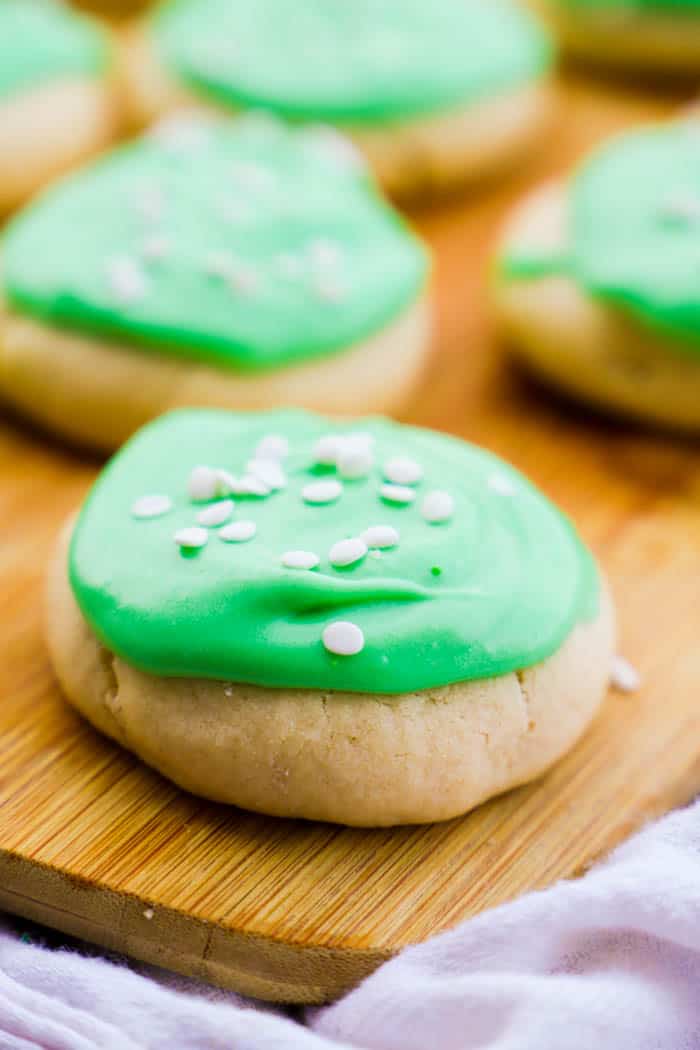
(347, 552)
(324, 252)
(354, 460)
(438, 506)
(343, 638)
(331, 448)
(330, 144)
(300, 560)
(240, 276)
(180, 133)
(155, 247)
(203, 484)
(151, 506)
(216, 513)
(327, 449)
(272, 446)
(501, 484)
(321, 491)
(252, 485)
(359, 439)
(248, 485)
(269, 472)
(397, 493)
(329, 289)
(624, 676)
(228, 690)
(403, 471)
(224, 482)
(149, 203)
(191, 538)
(380, 537)
(682, 206)
(289, 266)
(219, 264)
(127, 280)
(252, 176)
(238, 532)
(243, 279)
(148, 914)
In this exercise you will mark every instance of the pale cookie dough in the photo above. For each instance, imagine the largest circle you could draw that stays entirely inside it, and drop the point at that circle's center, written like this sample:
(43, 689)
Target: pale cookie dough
(582, 344)
(411, 156)
(657, 41)
(49, 129)
(57, 94)
(98, 393)
(343, 757)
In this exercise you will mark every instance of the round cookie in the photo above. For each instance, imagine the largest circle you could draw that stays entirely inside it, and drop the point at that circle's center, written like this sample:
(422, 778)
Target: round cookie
(56, 105)
(373, 626)
(236, 264)
(660, 36)
(596, 278)
(432, 93)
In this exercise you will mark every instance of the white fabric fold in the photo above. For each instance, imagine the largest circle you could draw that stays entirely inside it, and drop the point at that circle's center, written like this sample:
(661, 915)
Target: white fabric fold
(608, 962)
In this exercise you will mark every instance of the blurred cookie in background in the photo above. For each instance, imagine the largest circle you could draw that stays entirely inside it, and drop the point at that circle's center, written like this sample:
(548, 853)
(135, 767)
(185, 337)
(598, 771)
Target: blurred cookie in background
(597, 280)
(112, 9)
(432, 93)
(56, 98)
(238, 264)
(660, 36)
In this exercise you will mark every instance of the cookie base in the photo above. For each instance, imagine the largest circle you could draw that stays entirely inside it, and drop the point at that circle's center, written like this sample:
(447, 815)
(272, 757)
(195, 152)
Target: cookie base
(410, 158)
(46, 131)
(348, 758)
(578, 343)
(631, 40)
(98, 393)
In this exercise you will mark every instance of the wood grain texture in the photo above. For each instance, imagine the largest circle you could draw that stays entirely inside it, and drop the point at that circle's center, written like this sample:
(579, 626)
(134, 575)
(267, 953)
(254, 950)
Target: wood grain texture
(94, 843)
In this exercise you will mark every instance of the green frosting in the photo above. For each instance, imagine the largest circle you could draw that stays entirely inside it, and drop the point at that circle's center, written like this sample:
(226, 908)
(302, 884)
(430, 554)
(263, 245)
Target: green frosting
(358, 61)
(249, 244)
(634, 230)
(497, 587)
(42, 41)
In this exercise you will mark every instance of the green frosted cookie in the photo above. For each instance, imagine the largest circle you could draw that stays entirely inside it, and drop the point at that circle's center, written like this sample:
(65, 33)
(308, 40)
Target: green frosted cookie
(42, 41)
(361, 62)
(248, 246)
(365, 623)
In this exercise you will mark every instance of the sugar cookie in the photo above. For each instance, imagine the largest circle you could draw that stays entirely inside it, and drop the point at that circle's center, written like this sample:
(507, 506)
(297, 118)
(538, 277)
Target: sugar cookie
(661, 36)
(353, 659)
(432, 93)
(236, 264)
(596, 285)
(56, 104)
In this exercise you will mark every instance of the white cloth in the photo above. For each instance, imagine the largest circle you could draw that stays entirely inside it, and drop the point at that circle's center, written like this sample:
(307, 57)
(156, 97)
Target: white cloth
(608, 962)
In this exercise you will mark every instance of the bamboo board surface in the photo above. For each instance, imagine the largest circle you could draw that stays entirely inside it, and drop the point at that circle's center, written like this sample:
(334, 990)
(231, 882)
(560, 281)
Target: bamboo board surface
(95, 844)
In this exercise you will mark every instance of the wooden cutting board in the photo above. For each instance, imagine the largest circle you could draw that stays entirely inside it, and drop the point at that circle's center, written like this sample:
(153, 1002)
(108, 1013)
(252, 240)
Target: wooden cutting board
(95, 844)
